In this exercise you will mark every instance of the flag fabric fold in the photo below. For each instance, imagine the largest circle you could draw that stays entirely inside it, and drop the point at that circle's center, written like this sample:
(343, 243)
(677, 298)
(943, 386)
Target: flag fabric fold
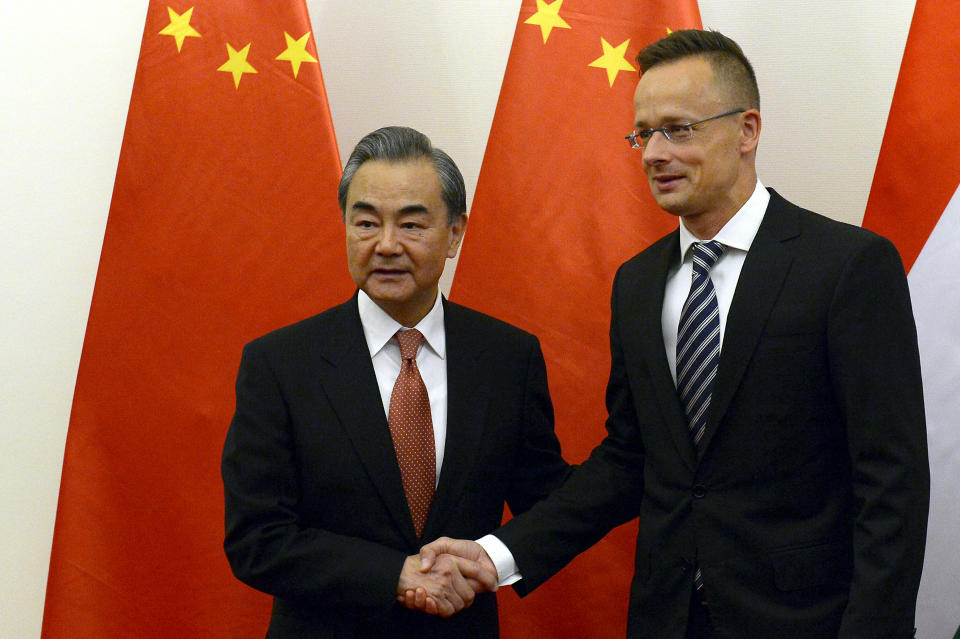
(223, 225)
(561, 202)
(915, 201)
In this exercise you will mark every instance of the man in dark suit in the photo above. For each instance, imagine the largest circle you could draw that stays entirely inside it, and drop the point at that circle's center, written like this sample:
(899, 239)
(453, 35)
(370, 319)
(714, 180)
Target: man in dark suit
(781, 481)
(330, 488)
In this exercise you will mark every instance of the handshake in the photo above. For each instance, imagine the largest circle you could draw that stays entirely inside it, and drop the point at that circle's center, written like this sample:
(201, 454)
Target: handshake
(446, 576)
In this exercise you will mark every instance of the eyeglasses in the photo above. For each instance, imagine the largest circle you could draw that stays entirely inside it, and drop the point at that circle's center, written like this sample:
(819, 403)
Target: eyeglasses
(676, 133)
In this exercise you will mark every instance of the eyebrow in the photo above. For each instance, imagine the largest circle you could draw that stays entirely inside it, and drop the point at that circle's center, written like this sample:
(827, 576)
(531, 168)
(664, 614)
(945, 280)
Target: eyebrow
(410, 208)
(363, 206)
(673, 119)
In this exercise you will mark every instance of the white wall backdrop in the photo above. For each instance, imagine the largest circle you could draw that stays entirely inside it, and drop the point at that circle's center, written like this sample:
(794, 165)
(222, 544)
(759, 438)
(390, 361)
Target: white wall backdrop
(826, 69)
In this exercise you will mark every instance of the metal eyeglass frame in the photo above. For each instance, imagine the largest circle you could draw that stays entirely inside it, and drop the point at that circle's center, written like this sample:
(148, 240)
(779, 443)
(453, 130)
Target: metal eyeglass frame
(671, 129)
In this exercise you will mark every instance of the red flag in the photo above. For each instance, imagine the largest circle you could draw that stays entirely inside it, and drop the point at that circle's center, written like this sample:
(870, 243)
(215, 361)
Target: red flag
(223, 225)
(561, 202)
(917, 172)
(915, 201)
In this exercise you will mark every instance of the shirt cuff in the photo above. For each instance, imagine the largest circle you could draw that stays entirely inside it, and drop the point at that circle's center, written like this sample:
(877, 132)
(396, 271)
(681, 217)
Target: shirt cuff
(502, 559)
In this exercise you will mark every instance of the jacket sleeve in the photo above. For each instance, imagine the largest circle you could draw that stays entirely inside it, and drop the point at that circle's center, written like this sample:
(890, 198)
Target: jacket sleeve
(875, 369)
(600, 494)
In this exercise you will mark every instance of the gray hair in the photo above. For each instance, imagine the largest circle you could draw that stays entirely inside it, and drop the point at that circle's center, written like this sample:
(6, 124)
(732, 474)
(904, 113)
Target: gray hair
(400, 143)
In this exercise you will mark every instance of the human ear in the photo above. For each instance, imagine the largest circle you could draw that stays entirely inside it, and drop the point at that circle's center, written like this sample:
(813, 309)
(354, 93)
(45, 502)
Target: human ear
(457, 229)
(750, 124)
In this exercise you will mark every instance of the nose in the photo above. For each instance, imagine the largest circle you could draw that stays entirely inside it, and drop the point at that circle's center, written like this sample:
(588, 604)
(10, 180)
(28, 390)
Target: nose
(388, 242)
(656, 149)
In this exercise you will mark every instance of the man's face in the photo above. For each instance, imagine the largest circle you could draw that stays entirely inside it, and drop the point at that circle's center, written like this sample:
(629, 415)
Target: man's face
(397, 235)
(695, 177)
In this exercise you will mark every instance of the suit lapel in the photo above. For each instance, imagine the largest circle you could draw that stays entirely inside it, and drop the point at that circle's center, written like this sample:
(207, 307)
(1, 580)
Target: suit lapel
(651, 285)
(758, 287)
(467, 397)
(350, 384)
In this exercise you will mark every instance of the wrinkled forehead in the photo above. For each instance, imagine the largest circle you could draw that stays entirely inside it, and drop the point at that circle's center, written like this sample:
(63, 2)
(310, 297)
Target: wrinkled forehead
(388, 185)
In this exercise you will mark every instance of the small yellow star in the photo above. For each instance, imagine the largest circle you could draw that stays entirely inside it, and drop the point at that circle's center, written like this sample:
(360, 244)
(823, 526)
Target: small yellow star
(179, 26)
(613, 59)
(548, 17)
(296, 52)
(237, 64)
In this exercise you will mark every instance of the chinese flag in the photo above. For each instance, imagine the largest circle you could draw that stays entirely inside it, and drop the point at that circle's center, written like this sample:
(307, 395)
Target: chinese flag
(223, 225)
(915, 201)
(561, 202)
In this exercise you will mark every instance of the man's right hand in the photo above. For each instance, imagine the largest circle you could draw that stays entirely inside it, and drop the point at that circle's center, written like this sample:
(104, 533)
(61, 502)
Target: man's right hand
(472, 561)
(460, 547)
(445, 584)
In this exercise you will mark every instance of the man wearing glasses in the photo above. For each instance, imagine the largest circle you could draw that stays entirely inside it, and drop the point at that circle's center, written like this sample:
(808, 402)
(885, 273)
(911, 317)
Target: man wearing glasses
(766, 419)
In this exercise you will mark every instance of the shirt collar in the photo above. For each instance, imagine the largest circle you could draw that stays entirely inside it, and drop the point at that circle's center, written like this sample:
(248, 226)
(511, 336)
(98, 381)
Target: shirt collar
(379, 327)
(739, 231)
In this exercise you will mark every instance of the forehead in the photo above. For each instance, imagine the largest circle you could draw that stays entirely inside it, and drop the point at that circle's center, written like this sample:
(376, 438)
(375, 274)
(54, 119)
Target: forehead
(396, 184)
(681, 89)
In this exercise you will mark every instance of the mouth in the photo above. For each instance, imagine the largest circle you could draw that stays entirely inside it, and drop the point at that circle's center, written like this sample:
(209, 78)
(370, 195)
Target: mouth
(387, 272)
(666, 181)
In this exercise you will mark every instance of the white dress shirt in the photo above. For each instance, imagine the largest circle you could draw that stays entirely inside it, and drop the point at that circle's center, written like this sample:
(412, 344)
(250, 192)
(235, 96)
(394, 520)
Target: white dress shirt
(736, 236)
(379, 329)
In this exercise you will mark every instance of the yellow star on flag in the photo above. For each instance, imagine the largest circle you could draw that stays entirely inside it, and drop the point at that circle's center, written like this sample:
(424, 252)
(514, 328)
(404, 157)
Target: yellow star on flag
(613, 59)
(548, 17)
(179, 26)
(237, 64)
(296, 52)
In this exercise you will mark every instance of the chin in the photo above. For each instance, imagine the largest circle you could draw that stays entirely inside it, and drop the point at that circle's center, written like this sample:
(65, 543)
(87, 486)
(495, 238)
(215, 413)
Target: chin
(670, 205)
(387, 295)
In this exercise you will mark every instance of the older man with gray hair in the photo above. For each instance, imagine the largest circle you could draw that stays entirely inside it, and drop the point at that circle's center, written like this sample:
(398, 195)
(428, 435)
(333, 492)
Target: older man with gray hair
(383, 423)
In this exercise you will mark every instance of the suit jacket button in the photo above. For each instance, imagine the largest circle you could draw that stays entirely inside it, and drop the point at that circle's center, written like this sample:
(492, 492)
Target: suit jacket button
(699, 491)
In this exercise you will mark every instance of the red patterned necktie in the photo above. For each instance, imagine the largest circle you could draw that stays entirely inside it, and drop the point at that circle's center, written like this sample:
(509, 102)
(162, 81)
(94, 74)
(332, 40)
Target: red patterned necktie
(411, 428)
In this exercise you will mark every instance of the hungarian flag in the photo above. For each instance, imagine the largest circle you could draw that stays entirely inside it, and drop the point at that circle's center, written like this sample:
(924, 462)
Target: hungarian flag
(915, 201)
(560, 203)
(223, 225)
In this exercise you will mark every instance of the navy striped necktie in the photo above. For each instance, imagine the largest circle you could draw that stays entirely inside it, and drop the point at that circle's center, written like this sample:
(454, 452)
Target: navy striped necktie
(698, 347)
(698, 340)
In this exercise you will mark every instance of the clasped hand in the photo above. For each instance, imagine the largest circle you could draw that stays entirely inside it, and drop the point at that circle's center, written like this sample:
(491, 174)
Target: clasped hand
(446, 577)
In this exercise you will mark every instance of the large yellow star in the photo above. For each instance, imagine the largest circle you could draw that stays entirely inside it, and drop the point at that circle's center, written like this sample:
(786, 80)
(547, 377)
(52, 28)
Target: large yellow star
(179, 26)
(296, 52)
(613, 59)
(548, 17)
(237, 64)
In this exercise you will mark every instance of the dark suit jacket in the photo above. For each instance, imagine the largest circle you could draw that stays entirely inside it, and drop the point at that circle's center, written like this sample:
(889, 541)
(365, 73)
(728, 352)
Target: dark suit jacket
(806, 503)
(315, 509)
